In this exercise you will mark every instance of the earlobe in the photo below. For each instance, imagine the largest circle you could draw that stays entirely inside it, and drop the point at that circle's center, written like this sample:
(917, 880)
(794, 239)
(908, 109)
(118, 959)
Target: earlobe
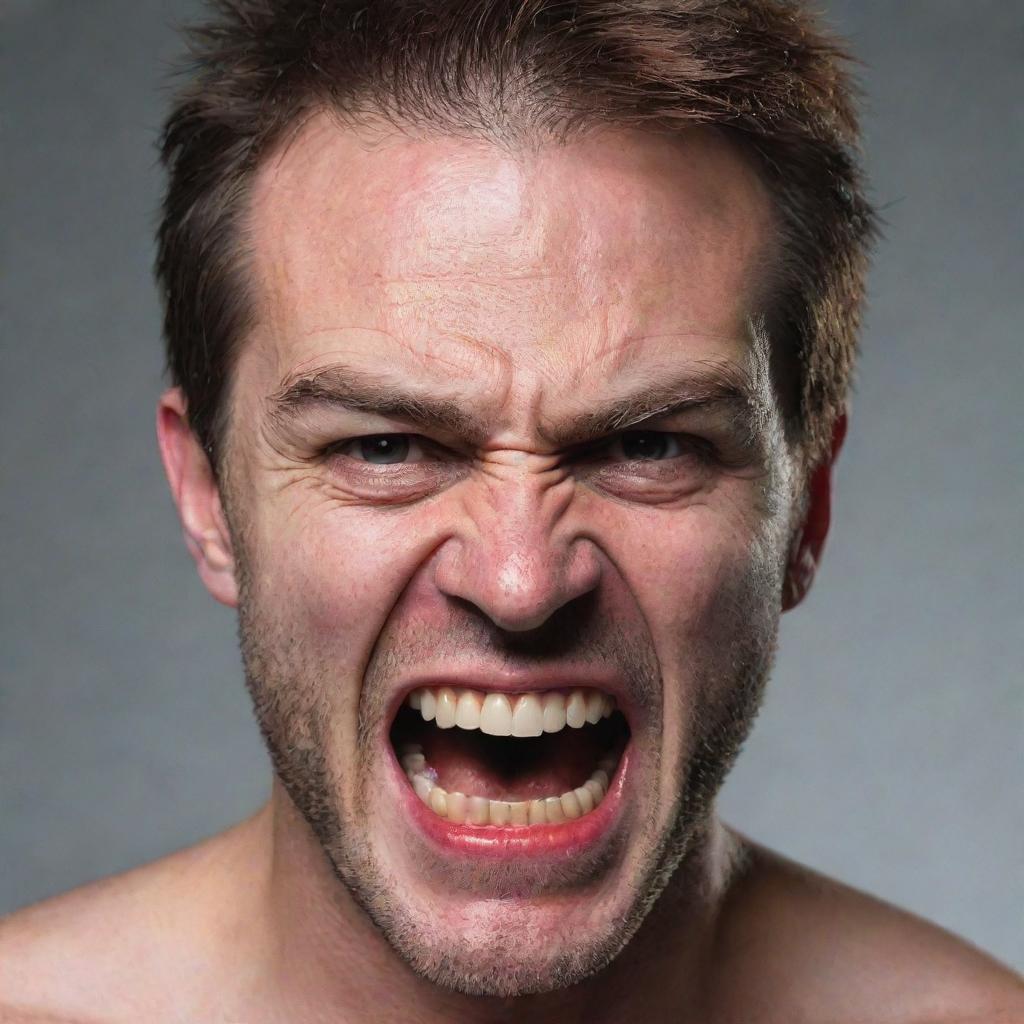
(799, 573)
(197, 497)
(809, 540)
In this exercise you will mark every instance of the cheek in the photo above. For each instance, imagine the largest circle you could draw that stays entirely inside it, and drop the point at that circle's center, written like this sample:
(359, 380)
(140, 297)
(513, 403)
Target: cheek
(707, 586)
(322, 581)
(334, 575)
(687, 568)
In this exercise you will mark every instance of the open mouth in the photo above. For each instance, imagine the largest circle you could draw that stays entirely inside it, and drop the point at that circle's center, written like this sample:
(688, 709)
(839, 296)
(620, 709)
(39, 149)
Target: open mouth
(509, 760)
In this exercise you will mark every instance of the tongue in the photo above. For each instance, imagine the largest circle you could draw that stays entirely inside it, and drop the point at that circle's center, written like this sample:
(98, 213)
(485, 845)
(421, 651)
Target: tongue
(502, 768)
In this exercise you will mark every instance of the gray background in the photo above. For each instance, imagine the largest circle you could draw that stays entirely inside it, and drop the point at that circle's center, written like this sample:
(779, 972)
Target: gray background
(890, 749)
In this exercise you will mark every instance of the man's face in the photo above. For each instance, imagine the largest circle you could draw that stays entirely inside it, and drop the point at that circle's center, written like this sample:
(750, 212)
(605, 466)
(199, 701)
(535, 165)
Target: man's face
(504, 429)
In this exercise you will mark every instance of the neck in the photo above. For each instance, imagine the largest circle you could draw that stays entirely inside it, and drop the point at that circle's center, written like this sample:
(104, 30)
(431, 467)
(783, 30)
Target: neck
(324, 958)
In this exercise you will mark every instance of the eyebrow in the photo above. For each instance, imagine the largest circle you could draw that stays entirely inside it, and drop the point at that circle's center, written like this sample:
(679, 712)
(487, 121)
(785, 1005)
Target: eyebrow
(342, 387)
(714, 387)
(721, 388)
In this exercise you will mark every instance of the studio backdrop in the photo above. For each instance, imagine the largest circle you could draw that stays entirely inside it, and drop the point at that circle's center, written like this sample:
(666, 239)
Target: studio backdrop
(890, 749)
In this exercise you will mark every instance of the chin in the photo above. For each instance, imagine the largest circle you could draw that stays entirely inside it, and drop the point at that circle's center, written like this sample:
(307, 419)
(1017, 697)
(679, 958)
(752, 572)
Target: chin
(497, 910)
(500, 951)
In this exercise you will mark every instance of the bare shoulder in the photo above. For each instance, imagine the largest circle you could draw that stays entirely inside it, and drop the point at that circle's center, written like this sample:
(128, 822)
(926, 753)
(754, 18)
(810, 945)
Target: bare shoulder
(844, 956)
(13, 1015)
(63, 961)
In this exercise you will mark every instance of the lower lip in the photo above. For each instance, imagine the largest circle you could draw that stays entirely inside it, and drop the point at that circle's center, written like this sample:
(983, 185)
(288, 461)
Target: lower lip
(547, 842)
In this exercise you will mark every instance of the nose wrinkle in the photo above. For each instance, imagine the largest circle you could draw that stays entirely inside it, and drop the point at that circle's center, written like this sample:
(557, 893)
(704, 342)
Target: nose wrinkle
(510, 560)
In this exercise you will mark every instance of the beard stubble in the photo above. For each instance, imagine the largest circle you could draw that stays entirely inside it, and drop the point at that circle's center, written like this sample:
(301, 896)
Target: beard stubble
(292, 701)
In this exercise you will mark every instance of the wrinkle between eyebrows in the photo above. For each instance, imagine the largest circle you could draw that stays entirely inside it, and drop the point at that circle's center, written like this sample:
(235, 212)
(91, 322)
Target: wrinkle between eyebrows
(705, 385)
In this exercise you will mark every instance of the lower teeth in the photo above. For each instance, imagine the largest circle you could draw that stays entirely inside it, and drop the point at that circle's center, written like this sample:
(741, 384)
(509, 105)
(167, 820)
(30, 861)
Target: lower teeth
(478, 810)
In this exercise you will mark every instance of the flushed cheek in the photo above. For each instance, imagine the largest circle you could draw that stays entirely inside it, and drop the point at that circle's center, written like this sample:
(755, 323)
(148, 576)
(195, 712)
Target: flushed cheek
(678, 567)
(343, 570)
(703, 588)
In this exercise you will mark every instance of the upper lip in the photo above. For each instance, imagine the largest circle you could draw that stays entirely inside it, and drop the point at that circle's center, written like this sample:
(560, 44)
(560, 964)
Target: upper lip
(503, 680)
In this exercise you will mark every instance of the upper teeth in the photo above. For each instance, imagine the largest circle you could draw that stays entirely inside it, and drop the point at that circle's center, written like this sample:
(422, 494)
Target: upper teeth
(500, 714)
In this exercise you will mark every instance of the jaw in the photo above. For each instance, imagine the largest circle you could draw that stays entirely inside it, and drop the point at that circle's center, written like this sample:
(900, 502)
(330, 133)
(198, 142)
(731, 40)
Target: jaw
(483, 947)
(502, 909)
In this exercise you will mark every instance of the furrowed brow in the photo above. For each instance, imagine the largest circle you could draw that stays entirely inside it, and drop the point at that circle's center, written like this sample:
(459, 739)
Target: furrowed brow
(728, 391)
(345, 388)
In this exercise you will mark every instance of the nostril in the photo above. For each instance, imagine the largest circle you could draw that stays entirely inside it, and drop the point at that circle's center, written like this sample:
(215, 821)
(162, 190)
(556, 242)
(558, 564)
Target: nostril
(585, 568)
(521, 620)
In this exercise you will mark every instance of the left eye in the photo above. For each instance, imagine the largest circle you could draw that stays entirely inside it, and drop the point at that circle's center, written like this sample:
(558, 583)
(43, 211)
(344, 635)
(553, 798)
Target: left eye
(382, 449)
(646, 446)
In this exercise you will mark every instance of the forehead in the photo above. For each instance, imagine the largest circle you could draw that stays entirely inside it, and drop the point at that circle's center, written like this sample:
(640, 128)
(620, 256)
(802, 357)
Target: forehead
(506, 276)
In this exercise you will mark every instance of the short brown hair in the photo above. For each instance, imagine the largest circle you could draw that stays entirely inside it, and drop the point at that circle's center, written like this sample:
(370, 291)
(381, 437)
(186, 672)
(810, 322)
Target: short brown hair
(762, 70)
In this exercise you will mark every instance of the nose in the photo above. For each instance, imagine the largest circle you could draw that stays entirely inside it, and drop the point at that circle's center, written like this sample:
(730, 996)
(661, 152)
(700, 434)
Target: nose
(515, 558)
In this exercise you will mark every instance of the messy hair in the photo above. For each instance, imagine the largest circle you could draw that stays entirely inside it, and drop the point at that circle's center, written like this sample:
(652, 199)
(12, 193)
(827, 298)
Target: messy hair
(762, 71)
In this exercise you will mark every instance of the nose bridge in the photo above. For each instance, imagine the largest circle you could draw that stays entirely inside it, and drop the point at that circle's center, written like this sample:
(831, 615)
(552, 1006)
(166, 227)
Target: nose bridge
(517, 532)
(515, 556)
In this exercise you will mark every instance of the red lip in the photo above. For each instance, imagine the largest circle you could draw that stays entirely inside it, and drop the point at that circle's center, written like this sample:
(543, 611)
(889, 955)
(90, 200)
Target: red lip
(490, 842)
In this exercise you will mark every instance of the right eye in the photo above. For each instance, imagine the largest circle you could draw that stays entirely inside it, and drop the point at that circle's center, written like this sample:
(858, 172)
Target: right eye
(647, 445)
(383, 449)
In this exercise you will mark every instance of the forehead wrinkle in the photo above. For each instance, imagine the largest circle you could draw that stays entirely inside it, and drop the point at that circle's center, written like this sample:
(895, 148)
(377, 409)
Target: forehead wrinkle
(622, 348)
(424, 356)
(602, 358)
(420, 276)
(599, 293)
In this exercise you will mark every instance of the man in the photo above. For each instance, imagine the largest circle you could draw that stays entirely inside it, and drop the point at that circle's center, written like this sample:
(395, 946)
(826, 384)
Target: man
(510, 345)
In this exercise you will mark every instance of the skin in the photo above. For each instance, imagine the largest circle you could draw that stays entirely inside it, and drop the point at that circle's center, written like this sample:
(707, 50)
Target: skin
(526, 288)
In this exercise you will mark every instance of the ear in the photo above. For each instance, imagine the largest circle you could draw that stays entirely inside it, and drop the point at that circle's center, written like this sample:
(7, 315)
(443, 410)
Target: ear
(809, 541)
(195, 492)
